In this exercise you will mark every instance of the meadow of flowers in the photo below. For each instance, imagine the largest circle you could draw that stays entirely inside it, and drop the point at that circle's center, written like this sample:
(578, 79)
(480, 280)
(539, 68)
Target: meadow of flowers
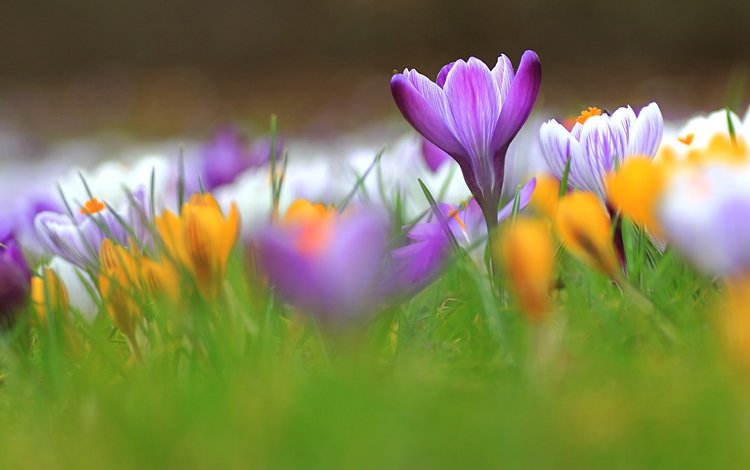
(485, 290)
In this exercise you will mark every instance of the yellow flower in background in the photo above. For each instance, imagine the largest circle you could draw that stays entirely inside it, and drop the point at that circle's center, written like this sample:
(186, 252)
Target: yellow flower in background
(159, 279)
(200, 239)
(546, 195)
(585, 230)
(736, 319)
(527, 251)
(634, 189)
(315, 222)
(119, 286)
(48, 292)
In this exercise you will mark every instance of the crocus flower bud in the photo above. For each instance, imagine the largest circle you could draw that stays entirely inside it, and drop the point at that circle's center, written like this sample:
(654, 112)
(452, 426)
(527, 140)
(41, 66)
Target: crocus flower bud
(526, 250)
(14, 279)
(201, 239)
(584, 228)
(48, 295)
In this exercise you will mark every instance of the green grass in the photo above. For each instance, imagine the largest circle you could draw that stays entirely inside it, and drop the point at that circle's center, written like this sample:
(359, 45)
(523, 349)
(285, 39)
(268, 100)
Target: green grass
(465, 381)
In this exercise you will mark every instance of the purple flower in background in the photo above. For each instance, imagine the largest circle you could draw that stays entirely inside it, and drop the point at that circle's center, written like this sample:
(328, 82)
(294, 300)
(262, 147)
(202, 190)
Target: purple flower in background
(430, 245)
(336, 266)
(225, 157)
(598, 143)
(328, 265)
(472, 113)
(433, 155)
(15, 276)
(77, 239)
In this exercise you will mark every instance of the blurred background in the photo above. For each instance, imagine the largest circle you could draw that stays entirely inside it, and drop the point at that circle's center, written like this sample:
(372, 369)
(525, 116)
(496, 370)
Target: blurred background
(163, 69)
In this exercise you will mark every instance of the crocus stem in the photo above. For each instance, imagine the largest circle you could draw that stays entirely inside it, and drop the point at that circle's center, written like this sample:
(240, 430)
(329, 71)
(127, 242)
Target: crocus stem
(490, 219)
(618, 240)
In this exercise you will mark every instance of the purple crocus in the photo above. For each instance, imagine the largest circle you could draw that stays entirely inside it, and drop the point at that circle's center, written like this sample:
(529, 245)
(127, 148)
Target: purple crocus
(472, 113)
(15, 276)
(78, 239)
(225, 157)
(338, 267)
(598, 143)
(331, 267)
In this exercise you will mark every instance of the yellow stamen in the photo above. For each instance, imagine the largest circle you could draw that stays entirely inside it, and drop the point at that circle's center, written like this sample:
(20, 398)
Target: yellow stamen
(588, 113)
(93, 206)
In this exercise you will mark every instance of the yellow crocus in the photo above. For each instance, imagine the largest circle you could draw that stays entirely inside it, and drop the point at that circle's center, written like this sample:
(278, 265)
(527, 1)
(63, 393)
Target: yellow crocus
(159, 279)
(634, 191)
(200, 239)
(119, 286)
(48, 293)
(585, 229)
(527, 252)
(546, 195)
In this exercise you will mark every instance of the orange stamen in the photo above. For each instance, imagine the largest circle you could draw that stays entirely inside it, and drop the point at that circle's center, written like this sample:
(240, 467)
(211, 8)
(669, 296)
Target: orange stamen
(688, 139)
(588, 113)
(92, 206)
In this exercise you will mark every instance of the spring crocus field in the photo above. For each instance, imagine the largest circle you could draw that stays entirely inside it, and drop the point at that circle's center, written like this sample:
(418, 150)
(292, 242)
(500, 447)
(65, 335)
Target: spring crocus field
(488, 289)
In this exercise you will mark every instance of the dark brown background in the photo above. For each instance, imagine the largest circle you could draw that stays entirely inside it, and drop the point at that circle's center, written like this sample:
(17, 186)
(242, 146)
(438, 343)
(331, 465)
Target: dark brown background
(161, 68)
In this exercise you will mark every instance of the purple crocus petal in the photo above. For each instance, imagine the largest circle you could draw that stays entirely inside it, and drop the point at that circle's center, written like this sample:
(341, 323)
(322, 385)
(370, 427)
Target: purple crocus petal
(732, 232)
(472, 225)
(603, 142)
(291, 272)
(15, 278)
(417, 263)
(352, 263)
(646, 133)
(473, 99)
(556, 142)
(7, 226)
(518, 104)
(342, 280)
(503, 74)
(524, 197)
(443, 74)
(62, 237)
(423, 104)
(140, 217)
(433, 155)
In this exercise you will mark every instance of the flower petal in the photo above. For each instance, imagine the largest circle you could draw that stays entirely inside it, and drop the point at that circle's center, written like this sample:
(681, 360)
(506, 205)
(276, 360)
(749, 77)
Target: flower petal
(503, 74)
(473, 99)
(518, 102)
(423, 105)
(524, 197)
(646, 132)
